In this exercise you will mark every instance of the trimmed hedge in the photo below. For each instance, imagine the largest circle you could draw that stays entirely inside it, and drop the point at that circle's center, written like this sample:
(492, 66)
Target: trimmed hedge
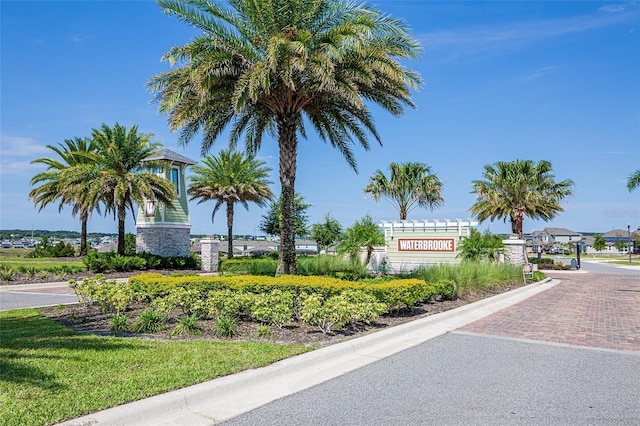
(111, 261)
(396, 294)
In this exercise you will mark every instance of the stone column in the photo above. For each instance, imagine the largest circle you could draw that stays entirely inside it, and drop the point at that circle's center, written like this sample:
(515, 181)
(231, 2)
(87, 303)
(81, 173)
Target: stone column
(209, 254)
(515, 250)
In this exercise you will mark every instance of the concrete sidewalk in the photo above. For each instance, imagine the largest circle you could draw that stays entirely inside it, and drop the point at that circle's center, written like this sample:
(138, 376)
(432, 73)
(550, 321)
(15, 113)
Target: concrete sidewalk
(224, 398)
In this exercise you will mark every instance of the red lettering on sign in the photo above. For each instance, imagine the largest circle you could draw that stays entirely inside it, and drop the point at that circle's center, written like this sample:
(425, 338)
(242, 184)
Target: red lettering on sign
(426, 244)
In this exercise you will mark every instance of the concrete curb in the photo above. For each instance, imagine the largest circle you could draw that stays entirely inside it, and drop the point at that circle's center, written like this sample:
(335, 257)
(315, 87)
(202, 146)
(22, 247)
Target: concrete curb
(227, 397)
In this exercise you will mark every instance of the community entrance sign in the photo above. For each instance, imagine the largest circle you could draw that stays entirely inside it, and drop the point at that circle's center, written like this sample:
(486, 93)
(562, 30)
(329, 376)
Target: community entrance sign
(409, 245)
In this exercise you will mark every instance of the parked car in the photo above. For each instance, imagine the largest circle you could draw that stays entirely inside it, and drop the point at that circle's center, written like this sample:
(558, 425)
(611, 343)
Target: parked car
(556, 251)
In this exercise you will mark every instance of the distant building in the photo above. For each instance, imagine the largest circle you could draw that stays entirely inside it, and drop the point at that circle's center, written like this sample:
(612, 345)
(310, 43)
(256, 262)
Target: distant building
(261, 247)
(615, 237)
(553, 238)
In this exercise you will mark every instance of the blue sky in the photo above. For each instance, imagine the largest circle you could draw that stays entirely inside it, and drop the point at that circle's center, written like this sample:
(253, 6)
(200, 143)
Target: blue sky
(557, 81)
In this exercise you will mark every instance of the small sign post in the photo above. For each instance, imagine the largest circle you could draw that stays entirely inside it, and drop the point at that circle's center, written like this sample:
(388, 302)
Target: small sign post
(527, 271)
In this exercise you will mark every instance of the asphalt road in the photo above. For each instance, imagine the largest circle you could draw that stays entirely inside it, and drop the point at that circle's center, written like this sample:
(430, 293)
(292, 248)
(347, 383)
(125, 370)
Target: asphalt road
(21, 297)
(460, 379)
(603, 268)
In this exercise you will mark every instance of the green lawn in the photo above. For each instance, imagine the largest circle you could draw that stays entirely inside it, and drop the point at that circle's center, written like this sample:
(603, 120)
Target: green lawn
(39, 263)
(634, 262)
(49, 373)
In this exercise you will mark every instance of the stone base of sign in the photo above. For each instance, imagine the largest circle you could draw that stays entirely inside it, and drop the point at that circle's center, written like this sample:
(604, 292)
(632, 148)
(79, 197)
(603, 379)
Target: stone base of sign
(209, 254)
(514, 251)
(164, 240)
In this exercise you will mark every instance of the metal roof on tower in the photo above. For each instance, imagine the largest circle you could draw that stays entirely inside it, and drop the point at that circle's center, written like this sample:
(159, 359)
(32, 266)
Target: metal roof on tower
(167, 154)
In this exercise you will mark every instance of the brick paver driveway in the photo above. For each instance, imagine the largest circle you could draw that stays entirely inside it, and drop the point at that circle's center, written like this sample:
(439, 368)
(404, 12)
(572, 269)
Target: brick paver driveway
(586, 309)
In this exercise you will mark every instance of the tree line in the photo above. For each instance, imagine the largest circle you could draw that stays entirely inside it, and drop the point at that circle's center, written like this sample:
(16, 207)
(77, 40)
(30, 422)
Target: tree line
(16, 234)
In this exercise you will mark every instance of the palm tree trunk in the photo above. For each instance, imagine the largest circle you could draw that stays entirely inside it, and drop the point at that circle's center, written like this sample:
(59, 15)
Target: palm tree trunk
(288, 145)
(369, 254)
(403, 210)
(229, 229)
(121, 217)
(83, 234)
(516, 224)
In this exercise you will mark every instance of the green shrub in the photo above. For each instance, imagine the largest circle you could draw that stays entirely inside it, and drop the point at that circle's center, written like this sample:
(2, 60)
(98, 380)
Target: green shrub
(43, 249)
(322, 265)
(187, 324)
(275, 307)
(101, 262)
(229, 303)
(7, 273)
(96, 262)
(399, 294)
(538, 276)
(164, 305)
(84, 289)
(121, 263)
(333, 266)
(153, 261)
(326, 315)
(226, 326)
(249, 266)
(150, 321)
(542, 261)
(109, 295)
(364, 307)
(119, 323)
(30, 271)
(264, 330)
(188, 300)
(447, 289)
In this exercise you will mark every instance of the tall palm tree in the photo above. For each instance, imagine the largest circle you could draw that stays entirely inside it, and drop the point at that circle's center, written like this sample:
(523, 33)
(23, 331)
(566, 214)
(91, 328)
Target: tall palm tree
(410, 185)
(512, 190)
(55, 182)
(276, 67)
(228, 179)
(633, 181)
(125, 175)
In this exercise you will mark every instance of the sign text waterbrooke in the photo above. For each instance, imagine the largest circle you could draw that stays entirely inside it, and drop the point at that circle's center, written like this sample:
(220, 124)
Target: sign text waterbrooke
(426, 244)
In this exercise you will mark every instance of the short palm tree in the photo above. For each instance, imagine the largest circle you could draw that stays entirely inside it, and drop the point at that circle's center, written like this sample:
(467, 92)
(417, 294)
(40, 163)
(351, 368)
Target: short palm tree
(230, 178)
(54, 184)
(513, 190)
(363, 233)
(409, 185)
(633, 181)
(276, 67)
(124, 176)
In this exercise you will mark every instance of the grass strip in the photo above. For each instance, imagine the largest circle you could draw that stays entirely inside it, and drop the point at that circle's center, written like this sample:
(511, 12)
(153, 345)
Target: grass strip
(471, 277)
(49, 373)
